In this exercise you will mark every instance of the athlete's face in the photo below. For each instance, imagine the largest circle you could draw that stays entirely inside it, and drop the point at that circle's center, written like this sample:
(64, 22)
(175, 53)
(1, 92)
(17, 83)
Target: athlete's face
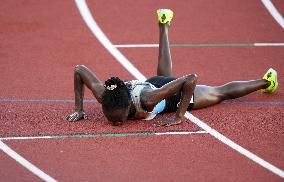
(118, 116)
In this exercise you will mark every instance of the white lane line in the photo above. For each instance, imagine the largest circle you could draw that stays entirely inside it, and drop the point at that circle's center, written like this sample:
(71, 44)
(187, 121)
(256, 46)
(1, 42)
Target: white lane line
(258, 44)
(149, 133)
(135, 45)
(26, 138)
(268, 44)
(189, 116)
(273, 11)
(182, 133)
(235, 146)
(95, 29)
(5, 148)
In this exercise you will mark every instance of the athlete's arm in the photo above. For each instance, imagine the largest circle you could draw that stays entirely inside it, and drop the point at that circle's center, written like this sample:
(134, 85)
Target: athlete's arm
(84, 76)
(185, 85)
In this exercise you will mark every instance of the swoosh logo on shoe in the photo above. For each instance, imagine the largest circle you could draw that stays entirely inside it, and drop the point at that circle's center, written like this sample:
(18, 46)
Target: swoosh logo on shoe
(273, 84)
(163, 17)
(269, 75)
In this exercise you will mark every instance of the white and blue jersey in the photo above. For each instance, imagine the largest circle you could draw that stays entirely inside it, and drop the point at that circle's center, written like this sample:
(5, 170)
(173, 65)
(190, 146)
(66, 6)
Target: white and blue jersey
(136, 88)
(169, 104)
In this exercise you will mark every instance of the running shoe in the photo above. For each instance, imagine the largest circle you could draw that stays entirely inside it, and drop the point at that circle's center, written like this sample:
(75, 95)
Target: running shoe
(165, 16)
(271, 76)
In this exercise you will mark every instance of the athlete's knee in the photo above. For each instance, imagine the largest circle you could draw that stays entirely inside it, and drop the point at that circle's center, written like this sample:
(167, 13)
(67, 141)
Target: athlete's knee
(221, 94)
(79, 68)
(192, 78)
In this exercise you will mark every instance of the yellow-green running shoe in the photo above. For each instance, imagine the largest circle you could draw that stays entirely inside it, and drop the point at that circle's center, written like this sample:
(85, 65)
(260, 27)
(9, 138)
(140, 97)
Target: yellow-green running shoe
(271, 76)
(165, 16)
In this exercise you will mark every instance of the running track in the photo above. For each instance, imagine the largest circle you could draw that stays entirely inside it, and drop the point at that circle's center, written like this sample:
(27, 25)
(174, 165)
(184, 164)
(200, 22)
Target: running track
(41, 42)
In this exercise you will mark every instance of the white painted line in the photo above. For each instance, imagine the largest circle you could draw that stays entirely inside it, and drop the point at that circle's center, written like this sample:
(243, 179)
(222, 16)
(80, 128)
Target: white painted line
(25, 163)
(26, 138)
(101, 135)
(95, 29)
(136, 45)
(268, 44)
(273, 11)
(235, 146)
(189, 116)
(182, 133)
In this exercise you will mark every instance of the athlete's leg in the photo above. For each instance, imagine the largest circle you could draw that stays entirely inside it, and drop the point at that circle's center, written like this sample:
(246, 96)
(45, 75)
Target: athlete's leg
(206, 96)
(164, 58)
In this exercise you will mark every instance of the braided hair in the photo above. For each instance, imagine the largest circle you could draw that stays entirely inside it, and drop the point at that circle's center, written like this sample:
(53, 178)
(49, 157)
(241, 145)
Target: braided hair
(116, 95)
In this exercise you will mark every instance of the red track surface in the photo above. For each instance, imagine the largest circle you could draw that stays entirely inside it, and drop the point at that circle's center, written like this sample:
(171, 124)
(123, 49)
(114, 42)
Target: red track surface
(41, 42)
(194, 22)
(279, 6)
(162, 158)
(13, 171)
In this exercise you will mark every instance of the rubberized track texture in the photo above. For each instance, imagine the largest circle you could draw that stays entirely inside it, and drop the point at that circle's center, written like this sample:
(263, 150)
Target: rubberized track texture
(42, 41)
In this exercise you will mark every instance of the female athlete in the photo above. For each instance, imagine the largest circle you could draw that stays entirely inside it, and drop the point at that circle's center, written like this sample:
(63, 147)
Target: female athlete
(159, 94)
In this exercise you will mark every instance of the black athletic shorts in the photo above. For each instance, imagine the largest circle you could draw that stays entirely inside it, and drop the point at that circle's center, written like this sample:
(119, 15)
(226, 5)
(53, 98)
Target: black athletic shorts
(173, 101)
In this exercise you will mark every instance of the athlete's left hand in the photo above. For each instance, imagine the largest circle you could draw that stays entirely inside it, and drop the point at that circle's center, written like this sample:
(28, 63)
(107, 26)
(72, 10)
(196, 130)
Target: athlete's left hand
(168, 122)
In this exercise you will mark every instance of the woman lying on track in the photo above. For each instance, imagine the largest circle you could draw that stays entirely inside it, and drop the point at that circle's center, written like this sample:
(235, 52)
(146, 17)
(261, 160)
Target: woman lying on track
(162, 93)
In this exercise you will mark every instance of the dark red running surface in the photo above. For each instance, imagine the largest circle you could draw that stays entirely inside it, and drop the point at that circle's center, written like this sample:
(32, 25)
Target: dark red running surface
(42, 41)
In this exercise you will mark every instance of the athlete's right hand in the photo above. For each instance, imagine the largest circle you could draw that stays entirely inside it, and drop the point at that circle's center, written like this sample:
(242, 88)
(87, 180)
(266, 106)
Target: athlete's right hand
(76, 116)
(168, 122)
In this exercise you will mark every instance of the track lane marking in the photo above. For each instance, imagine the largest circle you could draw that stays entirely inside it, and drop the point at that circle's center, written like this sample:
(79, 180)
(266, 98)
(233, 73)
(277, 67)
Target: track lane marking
(268, 44)
(84, 11)
(235, 146)
(96, 30)
(273, 11)
(94, 135)
(259, 44)
(6, 149)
